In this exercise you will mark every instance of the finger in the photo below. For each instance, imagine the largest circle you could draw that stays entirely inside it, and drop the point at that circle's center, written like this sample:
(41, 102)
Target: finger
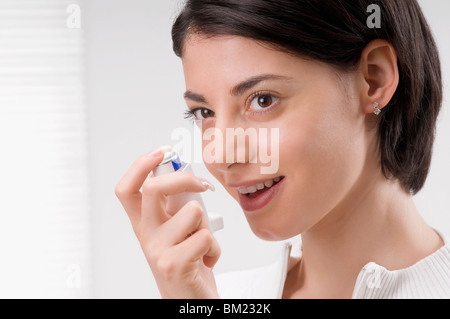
(128, 188)
(135, 176)
(201, 245)
(189, 219)
(176, 183)
(155, 191)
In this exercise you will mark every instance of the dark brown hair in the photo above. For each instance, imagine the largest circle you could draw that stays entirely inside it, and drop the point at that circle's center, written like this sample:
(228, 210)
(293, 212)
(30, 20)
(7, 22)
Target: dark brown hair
(336, 32)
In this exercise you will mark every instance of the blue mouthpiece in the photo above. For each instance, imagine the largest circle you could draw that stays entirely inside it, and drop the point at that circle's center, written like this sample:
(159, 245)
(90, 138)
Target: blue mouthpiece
(176, 163)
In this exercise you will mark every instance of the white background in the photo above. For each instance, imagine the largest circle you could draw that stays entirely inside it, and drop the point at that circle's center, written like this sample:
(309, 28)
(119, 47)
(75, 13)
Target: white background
(44, 209)
(135, 85)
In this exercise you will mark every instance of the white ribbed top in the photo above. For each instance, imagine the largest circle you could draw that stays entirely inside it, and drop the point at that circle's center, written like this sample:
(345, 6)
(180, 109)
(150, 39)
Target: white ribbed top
(428, 278)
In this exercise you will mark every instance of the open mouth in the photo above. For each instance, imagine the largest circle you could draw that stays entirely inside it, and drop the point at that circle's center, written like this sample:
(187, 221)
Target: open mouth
(257, 196)
(255, 190)
(264, 187)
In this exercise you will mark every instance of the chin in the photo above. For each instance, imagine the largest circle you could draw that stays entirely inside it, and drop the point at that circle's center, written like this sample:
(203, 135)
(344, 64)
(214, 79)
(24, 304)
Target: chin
(277, 227)
(271, 231)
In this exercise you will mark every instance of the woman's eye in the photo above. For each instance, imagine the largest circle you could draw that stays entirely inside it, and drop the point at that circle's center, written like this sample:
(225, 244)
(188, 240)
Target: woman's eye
(262, 101)
(198, 114)
(202, 113)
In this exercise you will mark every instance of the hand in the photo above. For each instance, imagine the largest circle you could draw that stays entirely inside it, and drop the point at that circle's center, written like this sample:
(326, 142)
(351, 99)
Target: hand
(179, 248)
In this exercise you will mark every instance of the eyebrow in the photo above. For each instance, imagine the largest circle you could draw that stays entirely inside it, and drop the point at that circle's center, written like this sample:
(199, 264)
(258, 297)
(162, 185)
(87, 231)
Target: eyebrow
(195, 97)
(246, 85)
(240, 88)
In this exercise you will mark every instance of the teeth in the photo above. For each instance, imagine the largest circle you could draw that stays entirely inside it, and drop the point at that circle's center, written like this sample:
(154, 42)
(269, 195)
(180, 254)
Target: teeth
(254, 188)
(243, 190)
(268, 183)
(251, 189)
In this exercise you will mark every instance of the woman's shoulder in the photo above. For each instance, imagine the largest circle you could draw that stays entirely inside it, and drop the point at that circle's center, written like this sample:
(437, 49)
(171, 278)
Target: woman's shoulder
(428, 278)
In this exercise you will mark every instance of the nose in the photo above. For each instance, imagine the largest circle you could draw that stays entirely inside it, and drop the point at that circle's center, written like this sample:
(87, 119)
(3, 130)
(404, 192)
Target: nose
(229, 143)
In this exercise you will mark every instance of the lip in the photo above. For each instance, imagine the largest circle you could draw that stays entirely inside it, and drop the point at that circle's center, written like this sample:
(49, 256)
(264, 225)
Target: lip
(252, 204)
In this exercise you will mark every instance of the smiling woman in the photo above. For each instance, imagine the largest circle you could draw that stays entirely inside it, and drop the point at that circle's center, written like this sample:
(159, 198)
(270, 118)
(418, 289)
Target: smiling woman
(356, 111)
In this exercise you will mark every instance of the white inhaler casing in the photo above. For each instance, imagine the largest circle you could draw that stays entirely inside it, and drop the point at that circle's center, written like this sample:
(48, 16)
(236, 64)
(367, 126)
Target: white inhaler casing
(170, 164)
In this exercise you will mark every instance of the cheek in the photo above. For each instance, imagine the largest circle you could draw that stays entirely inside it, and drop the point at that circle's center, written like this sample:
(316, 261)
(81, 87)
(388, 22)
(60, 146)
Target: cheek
(320, 155)
(310, 139)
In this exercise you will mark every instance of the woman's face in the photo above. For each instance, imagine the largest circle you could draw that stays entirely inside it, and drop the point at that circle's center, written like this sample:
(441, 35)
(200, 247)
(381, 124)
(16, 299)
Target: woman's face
(322, 142)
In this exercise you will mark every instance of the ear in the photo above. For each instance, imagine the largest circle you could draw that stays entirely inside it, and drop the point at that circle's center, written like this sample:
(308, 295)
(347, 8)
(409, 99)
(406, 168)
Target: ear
(380, 71)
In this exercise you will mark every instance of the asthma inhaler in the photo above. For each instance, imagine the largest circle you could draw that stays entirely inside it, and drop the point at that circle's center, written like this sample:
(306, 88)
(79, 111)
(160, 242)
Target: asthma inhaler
(170, 164)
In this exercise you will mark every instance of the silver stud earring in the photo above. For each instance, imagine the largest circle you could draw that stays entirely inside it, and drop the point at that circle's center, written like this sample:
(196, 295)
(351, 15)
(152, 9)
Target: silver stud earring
(376, 110)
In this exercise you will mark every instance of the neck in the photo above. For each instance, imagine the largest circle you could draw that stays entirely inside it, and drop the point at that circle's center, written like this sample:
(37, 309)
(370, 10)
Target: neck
(376, 222)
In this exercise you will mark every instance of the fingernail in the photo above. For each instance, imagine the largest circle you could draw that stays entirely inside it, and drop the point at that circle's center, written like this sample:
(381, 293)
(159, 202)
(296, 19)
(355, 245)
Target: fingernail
(155, 153)
(165, 148)
(208, 185)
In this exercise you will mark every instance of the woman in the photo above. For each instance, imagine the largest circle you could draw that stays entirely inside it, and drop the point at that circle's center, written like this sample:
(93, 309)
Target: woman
(355, 102)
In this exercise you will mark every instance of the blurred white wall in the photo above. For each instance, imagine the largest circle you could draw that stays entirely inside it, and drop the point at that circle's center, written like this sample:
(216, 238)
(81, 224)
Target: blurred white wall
(433, 201)
(44, 210)
(135, 86)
